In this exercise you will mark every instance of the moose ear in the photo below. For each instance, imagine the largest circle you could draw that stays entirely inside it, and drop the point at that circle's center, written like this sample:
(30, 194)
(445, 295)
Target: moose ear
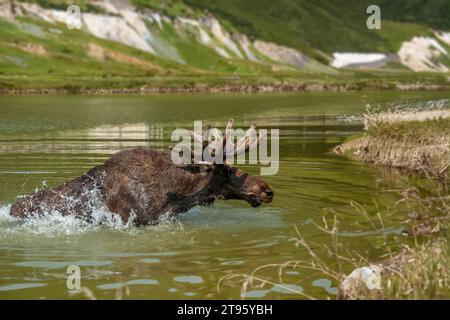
(195, 168)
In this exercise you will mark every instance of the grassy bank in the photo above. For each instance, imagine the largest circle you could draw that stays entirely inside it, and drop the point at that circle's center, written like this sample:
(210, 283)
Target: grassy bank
(417, 139)
(58, 83)
(414, 140)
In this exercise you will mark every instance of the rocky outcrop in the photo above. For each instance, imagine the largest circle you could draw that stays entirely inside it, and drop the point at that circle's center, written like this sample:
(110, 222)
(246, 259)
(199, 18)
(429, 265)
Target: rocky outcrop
(444, 37)
(422, 54)
(418, 54)
(282, 54)
(121, 22)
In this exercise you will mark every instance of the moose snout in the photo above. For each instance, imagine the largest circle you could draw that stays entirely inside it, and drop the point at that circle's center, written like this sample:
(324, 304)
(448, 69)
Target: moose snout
(269, 193)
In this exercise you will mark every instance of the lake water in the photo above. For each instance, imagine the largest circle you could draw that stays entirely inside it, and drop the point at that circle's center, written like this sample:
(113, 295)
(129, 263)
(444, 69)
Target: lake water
(45, 141)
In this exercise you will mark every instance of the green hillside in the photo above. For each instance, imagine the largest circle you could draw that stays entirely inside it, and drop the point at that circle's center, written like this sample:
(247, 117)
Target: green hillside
(432, 13)
(39, 54)
(329, 25)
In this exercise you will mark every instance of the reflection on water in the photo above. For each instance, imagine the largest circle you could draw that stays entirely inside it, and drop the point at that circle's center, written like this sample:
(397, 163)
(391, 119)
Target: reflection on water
(103, 139)
(49, 140)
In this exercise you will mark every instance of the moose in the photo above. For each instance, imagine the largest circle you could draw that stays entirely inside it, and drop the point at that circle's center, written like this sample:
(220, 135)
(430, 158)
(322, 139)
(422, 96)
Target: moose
(147, 183)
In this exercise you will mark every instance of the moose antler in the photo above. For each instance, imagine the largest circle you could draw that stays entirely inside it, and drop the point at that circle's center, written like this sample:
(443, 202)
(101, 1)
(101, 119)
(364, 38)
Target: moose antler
(213, 141)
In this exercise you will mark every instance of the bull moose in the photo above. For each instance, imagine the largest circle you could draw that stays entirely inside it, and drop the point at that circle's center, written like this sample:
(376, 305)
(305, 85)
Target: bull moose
(147, 183)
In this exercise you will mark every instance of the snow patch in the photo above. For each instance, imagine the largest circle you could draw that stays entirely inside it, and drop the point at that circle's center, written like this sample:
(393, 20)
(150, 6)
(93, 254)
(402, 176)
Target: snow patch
(349, 59)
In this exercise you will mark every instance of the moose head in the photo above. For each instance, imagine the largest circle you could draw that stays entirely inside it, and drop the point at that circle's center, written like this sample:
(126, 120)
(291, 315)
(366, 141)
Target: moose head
(219, 176)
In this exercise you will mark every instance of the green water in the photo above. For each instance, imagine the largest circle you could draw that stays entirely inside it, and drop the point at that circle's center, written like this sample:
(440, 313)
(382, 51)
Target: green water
(49, 140)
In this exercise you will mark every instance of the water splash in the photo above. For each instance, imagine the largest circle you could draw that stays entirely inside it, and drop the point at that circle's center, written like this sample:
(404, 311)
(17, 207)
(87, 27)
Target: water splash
(53, 223)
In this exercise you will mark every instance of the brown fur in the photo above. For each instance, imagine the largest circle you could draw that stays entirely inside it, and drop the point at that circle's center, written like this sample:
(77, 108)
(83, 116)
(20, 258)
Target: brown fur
(146, 182)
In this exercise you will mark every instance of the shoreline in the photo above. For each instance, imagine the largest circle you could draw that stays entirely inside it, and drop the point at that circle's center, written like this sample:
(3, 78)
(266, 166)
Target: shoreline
(230, 88)
(417, 140)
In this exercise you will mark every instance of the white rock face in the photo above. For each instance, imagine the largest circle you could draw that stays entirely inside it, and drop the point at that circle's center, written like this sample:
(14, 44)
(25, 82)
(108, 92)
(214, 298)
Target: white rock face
(210, 33)
(6, 10)
(223, 37)
(350, 59)
(128, 28)
(204, 37)
(108, 6)
(35, 11)
(246, 47)
(116, 29)
(155, 17)
(282, 54)
(421, 54)
(444, 37)
(189, 21)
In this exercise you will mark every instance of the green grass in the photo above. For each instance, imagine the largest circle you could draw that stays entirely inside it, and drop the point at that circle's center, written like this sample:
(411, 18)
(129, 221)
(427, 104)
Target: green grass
(393, 34)
(420, 146)
(338, 25)
(66, 59)
(63, 4)
(299, 24)
(172, 8)
(413, 131)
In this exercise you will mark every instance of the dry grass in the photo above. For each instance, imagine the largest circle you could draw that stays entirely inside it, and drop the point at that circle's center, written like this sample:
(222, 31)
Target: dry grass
(415, 137)
(420, 269)
(395, 113)
(423, 273)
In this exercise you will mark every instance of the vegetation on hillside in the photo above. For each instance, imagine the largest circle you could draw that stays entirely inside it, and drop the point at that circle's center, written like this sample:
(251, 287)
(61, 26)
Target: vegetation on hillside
(337, 25)
(39, 55)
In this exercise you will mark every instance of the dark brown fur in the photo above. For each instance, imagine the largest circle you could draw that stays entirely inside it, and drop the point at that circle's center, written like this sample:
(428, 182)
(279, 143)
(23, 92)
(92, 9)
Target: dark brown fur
(146, 182)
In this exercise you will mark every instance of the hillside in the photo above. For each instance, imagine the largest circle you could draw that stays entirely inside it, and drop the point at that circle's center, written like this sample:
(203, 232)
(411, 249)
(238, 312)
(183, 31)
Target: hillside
(338, 25)
(245, 45)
